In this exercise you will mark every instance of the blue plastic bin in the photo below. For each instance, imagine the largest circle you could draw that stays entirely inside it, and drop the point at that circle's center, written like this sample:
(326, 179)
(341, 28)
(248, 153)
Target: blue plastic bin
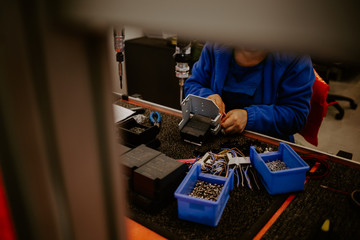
(201, 210)
(284, 181)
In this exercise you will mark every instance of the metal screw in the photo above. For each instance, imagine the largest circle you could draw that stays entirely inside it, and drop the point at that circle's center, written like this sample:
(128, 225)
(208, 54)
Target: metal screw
(205, 190)
(276, 165)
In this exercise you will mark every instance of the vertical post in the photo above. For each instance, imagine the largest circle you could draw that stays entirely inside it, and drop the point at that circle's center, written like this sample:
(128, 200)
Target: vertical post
(58, 150)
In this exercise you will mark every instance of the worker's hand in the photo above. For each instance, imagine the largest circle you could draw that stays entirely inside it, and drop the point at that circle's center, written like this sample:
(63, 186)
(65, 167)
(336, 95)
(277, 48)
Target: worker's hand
(234, 121)
(219, 102)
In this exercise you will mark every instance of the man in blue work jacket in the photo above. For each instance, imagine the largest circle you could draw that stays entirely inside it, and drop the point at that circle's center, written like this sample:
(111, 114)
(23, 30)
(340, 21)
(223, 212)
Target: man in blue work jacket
(258, 91)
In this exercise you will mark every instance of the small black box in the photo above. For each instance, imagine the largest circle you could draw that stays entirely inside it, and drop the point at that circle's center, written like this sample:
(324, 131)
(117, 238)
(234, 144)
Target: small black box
(159, 177)
(122, 149)
(136, 158)
(133, 134)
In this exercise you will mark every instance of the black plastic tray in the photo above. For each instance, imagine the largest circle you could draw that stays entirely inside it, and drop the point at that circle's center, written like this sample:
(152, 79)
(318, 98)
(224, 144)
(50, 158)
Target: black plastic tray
(133, 134)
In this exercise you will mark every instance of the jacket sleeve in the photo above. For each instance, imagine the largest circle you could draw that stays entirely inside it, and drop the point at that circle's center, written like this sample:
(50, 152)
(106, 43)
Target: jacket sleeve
(199, 83)
(288, 115)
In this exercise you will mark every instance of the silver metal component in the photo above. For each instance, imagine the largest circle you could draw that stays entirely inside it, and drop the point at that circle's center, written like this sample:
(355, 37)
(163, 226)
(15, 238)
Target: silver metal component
(195, 143)
(181, 85)
(198, 105)
(182, 57)
(185, 49)
(237, 160)
(119, 42)
(119, 45)
(268, 150)
(182, 70)
(204, 158)
(140, 118)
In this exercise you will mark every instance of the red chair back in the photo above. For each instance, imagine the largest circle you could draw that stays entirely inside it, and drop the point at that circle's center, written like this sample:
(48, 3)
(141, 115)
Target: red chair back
(318, 110)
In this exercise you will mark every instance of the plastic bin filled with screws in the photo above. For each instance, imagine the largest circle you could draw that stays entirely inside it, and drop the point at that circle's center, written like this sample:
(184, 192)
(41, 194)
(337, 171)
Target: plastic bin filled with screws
(282, 171)
(206, 210)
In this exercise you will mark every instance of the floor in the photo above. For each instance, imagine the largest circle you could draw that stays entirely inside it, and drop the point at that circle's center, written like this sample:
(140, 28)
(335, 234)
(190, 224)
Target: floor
(335, 135)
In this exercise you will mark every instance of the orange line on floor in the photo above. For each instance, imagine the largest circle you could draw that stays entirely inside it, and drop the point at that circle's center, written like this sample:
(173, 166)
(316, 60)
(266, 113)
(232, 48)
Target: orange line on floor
(274, 217)
(136, 231)
(277, 214)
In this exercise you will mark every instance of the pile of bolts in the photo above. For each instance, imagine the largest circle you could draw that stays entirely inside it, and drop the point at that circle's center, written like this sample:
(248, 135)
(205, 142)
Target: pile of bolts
(206, 190)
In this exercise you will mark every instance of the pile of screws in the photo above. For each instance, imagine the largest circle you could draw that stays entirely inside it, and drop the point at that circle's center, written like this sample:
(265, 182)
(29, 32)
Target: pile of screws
(205, 190)
(276, 165)
(137, 130)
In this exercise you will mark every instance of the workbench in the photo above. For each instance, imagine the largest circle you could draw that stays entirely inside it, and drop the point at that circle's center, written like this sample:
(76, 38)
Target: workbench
(254, 214)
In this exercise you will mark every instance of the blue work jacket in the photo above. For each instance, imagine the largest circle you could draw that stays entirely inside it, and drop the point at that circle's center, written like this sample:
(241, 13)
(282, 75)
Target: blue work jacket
(286, 86)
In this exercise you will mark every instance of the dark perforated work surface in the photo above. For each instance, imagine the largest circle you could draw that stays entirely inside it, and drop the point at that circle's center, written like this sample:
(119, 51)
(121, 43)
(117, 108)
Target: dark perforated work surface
(248, 210)
(308, 211)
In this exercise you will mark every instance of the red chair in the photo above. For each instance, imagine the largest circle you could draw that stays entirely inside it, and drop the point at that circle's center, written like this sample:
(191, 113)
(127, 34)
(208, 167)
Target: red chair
(318, 110)
(7, 231)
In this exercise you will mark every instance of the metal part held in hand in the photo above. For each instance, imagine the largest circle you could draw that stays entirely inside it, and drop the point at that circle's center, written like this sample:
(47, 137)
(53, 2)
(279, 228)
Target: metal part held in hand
(199, 115)
(200, 106)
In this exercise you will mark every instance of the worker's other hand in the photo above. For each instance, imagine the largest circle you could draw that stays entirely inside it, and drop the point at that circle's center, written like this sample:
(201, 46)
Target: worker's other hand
(219, 102)
(234, 121)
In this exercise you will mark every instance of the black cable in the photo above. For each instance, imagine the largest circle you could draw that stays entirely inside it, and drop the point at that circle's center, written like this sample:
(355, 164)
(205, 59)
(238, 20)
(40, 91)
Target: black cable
(355, 196)
(323, 169)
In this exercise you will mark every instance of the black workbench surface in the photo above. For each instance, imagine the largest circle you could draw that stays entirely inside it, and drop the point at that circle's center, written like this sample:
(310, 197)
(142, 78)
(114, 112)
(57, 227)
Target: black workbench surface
(247, 210)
